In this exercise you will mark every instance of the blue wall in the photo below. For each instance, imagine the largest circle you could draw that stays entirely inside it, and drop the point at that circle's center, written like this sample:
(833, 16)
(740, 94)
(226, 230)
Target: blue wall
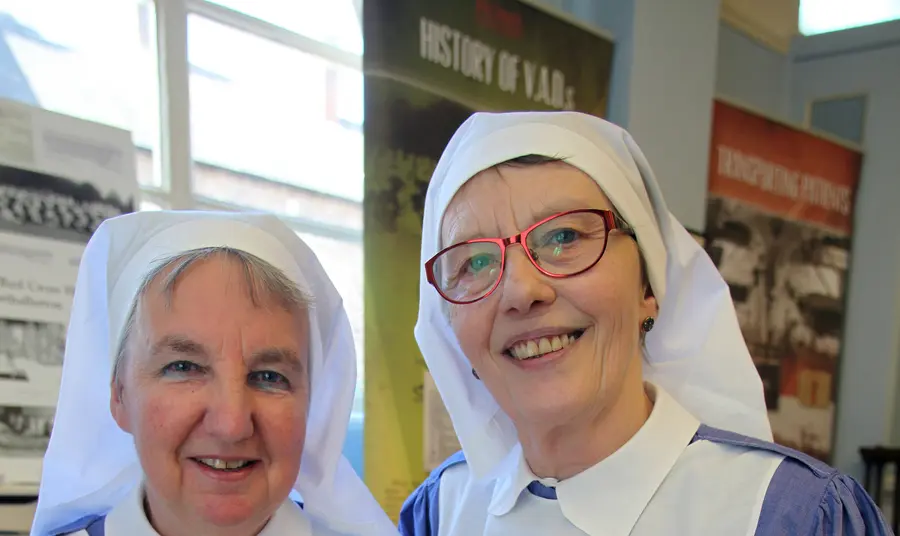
(752, 73)
(353, 445)
(864, 61)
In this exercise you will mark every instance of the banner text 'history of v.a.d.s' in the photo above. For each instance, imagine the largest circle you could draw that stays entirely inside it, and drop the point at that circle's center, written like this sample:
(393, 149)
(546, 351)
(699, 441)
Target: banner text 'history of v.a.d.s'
(428, 65)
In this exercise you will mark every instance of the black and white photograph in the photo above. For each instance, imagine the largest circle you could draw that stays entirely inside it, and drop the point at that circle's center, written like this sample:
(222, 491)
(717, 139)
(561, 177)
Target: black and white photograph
(739, 243)
(787, 282)
(27, 345)
(24, 431)
(55, 207)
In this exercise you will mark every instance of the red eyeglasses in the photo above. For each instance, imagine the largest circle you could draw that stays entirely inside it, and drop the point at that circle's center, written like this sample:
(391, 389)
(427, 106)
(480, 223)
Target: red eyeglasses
(563, 245)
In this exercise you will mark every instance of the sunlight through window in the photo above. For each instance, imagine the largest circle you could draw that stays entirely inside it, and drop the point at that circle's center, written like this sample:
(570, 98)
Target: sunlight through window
(821, 16)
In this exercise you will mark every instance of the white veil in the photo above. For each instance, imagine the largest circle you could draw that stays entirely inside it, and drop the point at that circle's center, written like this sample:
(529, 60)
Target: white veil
(696, 351)
(91, 464)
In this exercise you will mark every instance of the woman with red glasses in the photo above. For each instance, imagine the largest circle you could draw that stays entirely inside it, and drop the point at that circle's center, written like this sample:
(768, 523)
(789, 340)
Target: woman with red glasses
(588, 352)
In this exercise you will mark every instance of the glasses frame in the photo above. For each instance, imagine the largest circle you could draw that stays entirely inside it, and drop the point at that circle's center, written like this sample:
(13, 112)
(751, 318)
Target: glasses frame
(612, 222)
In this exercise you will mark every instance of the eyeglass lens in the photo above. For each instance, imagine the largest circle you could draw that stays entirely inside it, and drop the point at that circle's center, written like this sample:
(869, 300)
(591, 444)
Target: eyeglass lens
(565, 245)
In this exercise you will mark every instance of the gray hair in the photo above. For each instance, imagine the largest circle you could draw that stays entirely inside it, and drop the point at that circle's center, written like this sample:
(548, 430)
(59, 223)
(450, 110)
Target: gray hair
(263, 281)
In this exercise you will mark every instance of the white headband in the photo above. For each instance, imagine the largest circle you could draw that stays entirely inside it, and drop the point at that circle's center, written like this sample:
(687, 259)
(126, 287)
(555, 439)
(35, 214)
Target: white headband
(696, 351)
(91, 464)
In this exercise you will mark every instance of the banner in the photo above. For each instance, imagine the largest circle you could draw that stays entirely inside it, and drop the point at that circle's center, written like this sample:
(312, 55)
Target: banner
(428, 65)
(779, 225)
(60, 177)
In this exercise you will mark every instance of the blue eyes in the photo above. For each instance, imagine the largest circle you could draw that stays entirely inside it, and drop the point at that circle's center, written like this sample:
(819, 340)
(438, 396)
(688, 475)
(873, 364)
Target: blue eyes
(563, 236)
(558, 239)
(480, 262)
(269, 379)
(181, 367)
(266, 379)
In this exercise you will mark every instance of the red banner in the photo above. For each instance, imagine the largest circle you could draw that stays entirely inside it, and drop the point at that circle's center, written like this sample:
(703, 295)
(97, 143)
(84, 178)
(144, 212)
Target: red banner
(782, 170)
(779, 224)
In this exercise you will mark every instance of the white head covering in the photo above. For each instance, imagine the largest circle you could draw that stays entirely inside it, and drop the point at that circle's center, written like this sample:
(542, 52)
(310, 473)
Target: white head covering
(91, 464)
(696, 351)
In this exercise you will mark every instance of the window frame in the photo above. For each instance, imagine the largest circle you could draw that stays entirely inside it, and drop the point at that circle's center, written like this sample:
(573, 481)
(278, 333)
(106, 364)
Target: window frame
(173, 158)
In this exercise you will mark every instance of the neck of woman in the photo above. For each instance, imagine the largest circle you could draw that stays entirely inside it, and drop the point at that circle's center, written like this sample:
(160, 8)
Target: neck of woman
(563, 450)
(166, 523)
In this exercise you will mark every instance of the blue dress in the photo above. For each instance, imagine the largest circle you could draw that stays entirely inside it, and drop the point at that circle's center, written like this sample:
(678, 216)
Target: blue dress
(675, 477)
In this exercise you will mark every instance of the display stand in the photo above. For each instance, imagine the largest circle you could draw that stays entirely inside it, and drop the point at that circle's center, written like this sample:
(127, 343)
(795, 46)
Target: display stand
(60, 177)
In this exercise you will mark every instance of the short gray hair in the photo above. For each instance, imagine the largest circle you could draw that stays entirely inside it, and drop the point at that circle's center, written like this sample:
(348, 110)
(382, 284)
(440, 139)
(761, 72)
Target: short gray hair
(262, 278)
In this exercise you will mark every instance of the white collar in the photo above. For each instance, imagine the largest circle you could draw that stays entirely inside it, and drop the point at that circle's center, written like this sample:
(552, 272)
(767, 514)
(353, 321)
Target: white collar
(129, 518)
(609, 497)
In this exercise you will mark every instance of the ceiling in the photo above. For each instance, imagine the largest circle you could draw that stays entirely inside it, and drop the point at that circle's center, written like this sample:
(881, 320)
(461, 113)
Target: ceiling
(773, 22)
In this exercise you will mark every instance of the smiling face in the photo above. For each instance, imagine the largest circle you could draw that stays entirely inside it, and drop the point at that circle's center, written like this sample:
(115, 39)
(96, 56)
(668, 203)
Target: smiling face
(549, 350)
(215, 390)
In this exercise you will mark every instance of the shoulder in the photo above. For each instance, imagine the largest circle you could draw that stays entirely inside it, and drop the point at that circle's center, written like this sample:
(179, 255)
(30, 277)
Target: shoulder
(797, 476)
(806, 496)
(420, 512)
(87, 526)
(796, 461)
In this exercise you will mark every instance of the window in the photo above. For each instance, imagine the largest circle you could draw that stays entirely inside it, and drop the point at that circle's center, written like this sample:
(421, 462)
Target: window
(335, 22)
(821, 16)
(274, 115)
(343, 262)
(86, 59)
(844, 116)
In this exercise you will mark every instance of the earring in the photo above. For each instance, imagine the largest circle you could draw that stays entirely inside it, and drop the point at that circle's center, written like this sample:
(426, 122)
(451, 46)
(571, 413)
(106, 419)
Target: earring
(475, 374)
(647, 324)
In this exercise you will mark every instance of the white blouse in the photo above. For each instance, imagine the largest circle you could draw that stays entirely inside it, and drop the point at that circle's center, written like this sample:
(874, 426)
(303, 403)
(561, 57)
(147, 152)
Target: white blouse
(675, 477)
(129, 519)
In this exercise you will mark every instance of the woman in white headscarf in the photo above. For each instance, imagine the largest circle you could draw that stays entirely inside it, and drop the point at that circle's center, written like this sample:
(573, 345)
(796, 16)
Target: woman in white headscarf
(208, 381)
(589, 355)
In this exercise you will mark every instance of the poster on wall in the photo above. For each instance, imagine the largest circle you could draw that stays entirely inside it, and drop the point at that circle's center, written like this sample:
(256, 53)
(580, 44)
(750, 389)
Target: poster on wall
(60, 177)
(428, 65)
(779, 226)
